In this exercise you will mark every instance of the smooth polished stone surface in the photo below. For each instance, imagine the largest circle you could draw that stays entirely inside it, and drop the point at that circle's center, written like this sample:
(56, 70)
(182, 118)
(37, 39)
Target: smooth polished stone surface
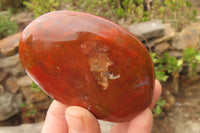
(84, 60)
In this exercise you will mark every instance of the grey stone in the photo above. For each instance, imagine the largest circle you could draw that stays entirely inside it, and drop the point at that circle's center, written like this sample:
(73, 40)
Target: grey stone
(161, 48)
(175, 53)
(149, 43)
(12, 65)
(9, 105)
(188, 37)
(169, 34)
(11, 84)
(9, 61)
(147, 30)
(24, 128)
(17, 70)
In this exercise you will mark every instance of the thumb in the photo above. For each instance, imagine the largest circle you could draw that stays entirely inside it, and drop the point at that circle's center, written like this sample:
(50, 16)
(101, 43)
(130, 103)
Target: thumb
(81, 120)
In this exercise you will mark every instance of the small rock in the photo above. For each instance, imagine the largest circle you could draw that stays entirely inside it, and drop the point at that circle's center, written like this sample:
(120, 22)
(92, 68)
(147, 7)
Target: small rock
(149, 43)
(189, 37)
(24, 128)
(17, 70)
(169, 34)
(24, 81)
(11, 84)
(188, 126)
(148, 29)
(170, 100)
(105, 126)
(24, 17)
(9, 61)
(177, 54)
(1, 89)
(4, 13)
(161, 48)
(9, 105)
(3, 75)
(33, 96)
(42, 105)
(12, 65)
(9, 45)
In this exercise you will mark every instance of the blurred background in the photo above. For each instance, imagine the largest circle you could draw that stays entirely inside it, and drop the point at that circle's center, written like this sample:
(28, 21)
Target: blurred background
(170, 30)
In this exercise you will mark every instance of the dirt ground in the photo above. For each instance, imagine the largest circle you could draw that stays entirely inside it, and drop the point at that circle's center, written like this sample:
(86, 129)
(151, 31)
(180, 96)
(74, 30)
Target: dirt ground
(184, 116)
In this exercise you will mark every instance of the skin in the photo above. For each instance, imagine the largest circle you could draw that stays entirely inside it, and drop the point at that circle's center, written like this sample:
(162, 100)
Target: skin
(73, 119)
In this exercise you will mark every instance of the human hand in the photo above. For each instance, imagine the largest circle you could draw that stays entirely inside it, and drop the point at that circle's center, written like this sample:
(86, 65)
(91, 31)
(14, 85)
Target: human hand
(64, 119)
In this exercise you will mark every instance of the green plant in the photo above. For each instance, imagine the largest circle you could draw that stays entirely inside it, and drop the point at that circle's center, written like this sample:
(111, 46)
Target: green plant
(177, 12)
(192, 57)
(9, 4)
(41, 7)
(105, 8)
(130, 10)
(23, 105)
(35, 87)
(172, 63)
(28, 109)
(7, 26)
(166, 65)
(158, 107)
(31, 113)
(160, 72)
(174, 67)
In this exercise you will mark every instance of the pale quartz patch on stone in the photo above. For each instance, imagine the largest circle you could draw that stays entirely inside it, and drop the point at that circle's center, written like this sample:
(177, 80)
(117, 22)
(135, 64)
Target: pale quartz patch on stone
(99, 66)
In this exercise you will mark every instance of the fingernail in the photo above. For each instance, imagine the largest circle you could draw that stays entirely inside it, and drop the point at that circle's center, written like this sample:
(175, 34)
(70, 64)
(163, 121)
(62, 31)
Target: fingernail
(75, 122)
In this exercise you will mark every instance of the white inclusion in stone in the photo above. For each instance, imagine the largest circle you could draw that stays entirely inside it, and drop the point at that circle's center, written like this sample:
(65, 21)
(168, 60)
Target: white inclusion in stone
(86, 97)
(89, 107)
(58, 68)
(111, 76)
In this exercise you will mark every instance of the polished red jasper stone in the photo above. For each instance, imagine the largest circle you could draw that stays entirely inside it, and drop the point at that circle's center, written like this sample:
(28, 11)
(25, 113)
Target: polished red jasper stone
(84, 60)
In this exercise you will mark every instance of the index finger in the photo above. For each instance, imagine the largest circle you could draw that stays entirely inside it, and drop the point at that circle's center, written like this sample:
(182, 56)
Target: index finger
(55, 121)
(157, 93)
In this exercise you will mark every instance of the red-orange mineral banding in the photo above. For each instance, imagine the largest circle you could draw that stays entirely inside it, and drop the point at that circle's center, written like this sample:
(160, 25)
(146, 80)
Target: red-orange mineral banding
(84, 60)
